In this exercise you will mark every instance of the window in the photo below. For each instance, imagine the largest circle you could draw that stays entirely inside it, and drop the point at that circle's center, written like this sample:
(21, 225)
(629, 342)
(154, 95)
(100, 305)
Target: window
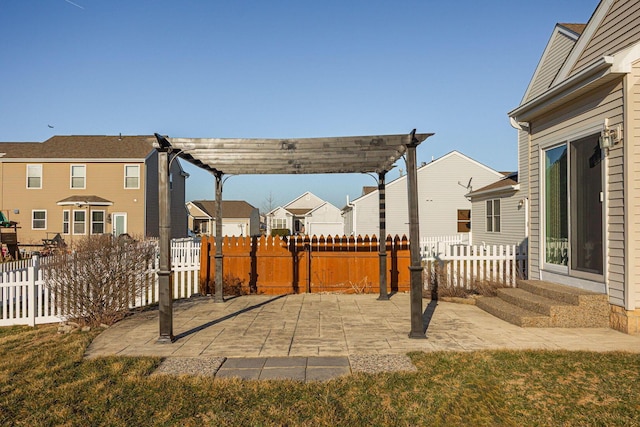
(132, 176)
(78, 176)
(493, 215)
(464, 220)
(66, 217)
(279, 223)
(39, 220)
(97, 222)
(79, 222)
(34, 176)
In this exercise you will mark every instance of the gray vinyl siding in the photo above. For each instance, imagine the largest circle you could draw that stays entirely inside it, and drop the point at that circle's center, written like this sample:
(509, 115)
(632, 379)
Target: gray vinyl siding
(633, 194)
(441, 192)
(523, 162)
(512, 227)
(558, 126)
(558, 51)
(619, 29)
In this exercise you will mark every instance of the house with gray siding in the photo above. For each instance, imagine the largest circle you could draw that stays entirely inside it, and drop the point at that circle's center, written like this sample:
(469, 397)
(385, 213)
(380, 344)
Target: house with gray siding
(579, 127)
(443, 206)
(498, 212)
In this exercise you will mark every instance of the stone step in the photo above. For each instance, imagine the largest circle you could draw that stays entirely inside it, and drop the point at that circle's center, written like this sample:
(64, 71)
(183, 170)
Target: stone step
(557, 292)
(512, 313)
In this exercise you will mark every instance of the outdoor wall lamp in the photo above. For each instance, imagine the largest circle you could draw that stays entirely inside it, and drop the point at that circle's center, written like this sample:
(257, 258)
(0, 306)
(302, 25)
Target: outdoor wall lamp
(609, 136)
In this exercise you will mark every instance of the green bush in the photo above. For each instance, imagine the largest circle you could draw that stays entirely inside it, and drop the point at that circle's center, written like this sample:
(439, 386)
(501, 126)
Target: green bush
(282, 232)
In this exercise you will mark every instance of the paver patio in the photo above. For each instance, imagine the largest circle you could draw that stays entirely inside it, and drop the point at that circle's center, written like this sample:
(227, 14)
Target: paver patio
(311, 325)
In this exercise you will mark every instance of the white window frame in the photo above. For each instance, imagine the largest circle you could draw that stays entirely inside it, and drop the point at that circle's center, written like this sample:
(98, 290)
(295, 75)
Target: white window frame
(66, 221)
(492, 217)
(35, 167)
(84, 176)
(33, 219)
(103, 222)
(84, 222)
(137, 177)
(279, 221)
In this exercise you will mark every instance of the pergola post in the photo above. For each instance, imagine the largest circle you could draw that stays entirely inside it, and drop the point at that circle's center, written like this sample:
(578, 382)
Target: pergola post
(417, 327)
(382, 238)
(218, 294)
(165, 297)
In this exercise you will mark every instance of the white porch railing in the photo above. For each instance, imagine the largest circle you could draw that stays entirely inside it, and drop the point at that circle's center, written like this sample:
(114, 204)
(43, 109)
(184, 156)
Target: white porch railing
(25, 300)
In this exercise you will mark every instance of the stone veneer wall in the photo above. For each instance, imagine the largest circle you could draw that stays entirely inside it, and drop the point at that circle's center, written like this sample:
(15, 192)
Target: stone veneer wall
(625, 321)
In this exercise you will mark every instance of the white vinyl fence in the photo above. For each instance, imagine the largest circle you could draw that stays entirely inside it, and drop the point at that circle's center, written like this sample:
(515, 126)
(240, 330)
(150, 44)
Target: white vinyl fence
(25, 300)
(463, 265)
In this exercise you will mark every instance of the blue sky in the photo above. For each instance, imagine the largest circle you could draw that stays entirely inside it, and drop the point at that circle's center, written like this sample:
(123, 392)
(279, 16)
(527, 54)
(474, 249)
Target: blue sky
(276, 69)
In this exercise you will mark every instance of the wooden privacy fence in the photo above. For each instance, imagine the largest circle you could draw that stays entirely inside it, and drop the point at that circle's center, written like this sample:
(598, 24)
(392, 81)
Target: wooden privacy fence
(296, 264)
(463, 266)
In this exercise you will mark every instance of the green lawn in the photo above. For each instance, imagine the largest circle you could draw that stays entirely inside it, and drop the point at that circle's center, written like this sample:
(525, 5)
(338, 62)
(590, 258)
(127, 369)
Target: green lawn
(44, 382)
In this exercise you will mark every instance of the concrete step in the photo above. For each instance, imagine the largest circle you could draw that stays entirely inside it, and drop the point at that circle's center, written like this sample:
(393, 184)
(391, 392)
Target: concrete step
(559, 292)
(512, 313)
(562, 314)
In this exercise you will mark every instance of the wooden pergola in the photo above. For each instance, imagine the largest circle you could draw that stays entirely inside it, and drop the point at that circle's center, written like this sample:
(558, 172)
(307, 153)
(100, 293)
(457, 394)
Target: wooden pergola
(237, 156)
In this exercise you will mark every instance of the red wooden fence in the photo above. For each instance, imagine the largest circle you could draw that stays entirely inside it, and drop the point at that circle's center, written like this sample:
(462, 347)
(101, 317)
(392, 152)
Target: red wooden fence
(280, 265)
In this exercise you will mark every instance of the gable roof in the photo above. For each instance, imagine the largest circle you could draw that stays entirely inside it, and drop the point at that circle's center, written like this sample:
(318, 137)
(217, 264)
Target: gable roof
(560, 44)
(584, 71)
(508, 183)
(87, 147)
(426, 167)
(230, 208)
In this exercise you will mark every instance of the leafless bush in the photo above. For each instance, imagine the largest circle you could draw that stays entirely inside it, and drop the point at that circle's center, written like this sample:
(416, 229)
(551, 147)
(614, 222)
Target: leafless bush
(440, 284)
(100, 278)
(233, 285)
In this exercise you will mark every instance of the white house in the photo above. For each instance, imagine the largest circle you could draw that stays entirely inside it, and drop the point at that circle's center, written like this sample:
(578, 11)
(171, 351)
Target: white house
(307, 214)
(239, 218)
(443, 206)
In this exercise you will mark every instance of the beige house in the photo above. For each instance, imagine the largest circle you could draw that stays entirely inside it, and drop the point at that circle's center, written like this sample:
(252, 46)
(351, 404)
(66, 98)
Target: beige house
(579, 159)
(239, 218)
(81, 185)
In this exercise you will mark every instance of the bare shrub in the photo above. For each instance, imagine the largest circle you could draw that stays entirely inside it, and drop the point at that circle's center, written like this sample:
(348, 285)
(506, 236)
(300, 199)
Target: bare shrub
(440, 284)
(234, 286)
(100, 278)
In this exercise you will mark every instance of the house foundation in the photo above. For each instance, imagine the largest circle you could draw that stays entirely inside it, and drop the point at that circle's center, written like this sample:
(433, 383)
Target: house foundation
(627, 321)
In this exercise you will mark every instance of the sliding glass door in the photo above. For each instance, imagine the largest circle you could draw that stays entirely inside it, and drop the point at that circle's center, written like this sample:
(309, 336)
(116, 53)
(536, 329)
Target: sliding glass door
(573, 219)
(586, 205)
(556, 207)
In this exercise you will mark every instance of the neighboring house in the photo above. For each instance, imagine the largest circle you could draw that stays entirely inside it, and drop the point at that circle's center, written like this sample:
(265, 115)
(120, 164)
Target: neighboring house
(239, 218)
(307, 215)
(579, 127)
(81, 185)
(443, 208)
(498, 212)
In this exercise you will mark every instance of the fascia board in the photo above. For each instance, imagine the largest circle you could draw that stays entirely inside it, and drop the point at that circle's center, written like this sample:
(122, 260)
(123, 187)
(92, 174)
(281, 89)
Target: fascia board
(499, 190)
(592, 26)
(596, 71)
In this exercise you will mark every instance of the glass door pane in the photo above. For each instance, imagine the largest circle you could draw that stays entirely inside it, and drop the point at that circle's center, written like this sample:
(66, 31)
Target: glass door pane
(556, 206)
(586, 205)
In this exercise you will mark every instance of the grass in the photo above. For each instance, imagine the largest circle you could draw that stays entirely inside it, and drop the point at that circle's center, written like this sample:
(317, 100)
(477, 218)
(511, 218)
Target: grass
(44, 381)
